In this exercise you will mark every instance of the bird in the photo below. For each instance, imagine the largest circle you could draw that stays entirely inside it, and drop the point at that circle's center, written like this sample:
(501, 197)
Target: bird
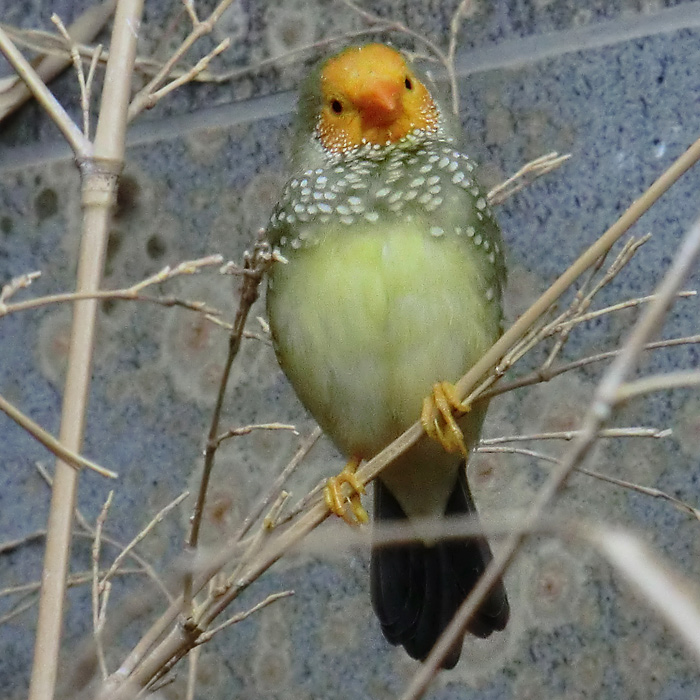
(386, 287)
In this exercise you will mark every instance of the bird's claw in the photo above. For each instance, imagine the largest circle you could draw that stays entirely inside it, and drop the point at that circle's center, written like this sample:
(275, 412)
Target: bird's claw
(337, 501)
(438, 417)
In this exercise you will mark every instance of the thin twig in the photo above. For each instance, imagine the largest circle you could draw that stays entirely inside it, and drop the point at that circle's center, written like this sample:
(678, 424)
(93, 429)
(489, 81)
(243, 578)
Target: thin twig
(248, 429)
(525, 176)
(632, 432)
(266, 527)
(284, 58)
(97, 589)
(255, 264)
(81, 145)
(116, 294)
(302, 504)
(52, 61)
(146, 97)
(189, 75)
(34, 586)
(89, 82)
(276, 486)
(455, 24)
(201, 617)
(272, 598)
(18, 610)
(78, 66)
(157, 518)
(14, 285)
(10, 545)
(657, 382)
(563, 324)
(89, 531)
(50, 45)
(131, 293)
(620, 306)
(646, 490)
(539, 376)
(629, 485)
(70, 457)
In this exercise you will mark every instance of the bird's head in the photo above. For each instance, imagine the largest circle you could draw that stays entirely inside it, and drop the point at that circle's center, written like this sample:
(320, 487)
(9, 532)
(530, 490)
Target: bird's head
(365, 94)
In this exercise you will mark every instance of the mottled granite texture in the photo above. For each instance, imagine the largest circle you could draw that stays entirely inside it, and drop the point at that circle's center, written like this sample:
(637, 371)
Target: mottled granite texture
(617, 86)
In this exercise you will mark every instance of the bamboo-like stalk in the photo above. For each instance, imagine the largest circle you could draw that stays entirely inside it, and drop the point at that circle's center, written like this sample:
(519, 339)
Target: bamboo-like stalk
(99, 177)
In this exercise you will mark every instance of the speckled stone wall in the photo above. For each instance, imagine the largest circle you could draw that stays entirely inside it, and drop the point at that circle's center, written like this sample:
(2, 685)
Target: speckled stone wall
(614, 83)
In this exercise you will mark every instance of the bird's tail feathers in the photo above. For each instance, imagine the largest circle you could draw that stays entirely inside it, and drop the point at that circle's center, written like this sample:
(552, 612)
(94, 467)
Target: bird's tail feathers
(417, 588)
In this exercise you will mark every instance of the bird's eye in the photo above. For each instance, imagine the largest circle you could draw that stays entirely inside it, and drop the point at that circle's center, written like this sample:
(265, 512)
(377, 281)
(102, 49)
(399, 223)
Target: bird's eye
(336, 106)
(408, 84)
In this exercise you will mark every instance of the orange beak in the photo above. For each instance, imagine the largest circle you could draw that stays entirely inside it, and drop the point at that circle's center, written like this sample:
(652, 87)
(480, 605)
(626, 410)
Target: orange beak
(380, 104)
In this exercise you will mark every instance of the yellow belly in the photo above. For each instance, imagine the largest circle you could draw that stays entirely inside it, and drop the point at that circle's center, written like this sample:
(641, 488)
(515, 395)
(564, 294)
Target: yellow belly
(365, 323)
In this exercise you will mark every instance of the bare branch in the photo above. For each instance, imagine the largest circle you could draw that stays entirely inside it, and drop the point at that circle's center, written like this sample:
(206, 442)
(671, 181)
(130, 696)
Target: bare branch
(276, 486)
(157, 518)
(189, 75)
(10, 545)
(55, 59)
(98, 610)
(78, 142)
(568, 435)
(146, 97)
(657, 382)
(132, 293)
(525, 176)
(255, 264)
(540, 375)
(89, 531)
(455, 24)
(78, 65)
(50, 442)
(14, 285)
(247, 429)
(653, 581)
(274, 597)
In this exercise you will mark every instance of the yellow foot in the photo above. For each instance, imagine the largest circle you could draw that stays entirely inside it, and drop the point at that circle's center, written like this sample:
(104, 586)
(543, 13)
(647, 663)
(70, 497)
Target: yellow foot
(336, 500)
(438, 417)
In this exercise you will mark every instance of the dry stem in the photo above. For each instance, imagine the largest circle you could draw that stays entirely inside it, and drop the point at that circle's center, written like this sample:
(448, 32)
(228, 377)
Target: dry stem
(72, 459)
(150, 93)
(248, 429)
(89, 531)
(276, 486)
(78, 142)
(654, 582)
(14, 92)
(98, 195)
(99, 608)
(132, 293)
(254, 267)
(525, 176)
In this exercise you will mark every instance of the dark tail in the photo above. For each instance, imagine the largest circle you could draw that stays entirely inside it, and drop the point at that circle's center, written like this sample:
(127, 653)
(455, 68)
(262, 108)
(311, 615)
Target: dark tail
(416, 589)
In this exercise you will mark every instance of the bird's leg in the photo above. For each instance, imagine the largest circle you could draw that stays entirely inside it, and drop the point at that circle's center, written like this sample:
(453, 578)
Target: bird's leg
(336, 500)
(438, 417)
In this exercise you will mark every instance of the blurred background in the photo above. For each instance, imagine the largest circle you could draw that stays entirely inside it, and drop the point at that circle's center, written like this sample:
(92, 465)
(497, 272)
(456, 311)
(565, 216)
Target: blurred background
(614, 83)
